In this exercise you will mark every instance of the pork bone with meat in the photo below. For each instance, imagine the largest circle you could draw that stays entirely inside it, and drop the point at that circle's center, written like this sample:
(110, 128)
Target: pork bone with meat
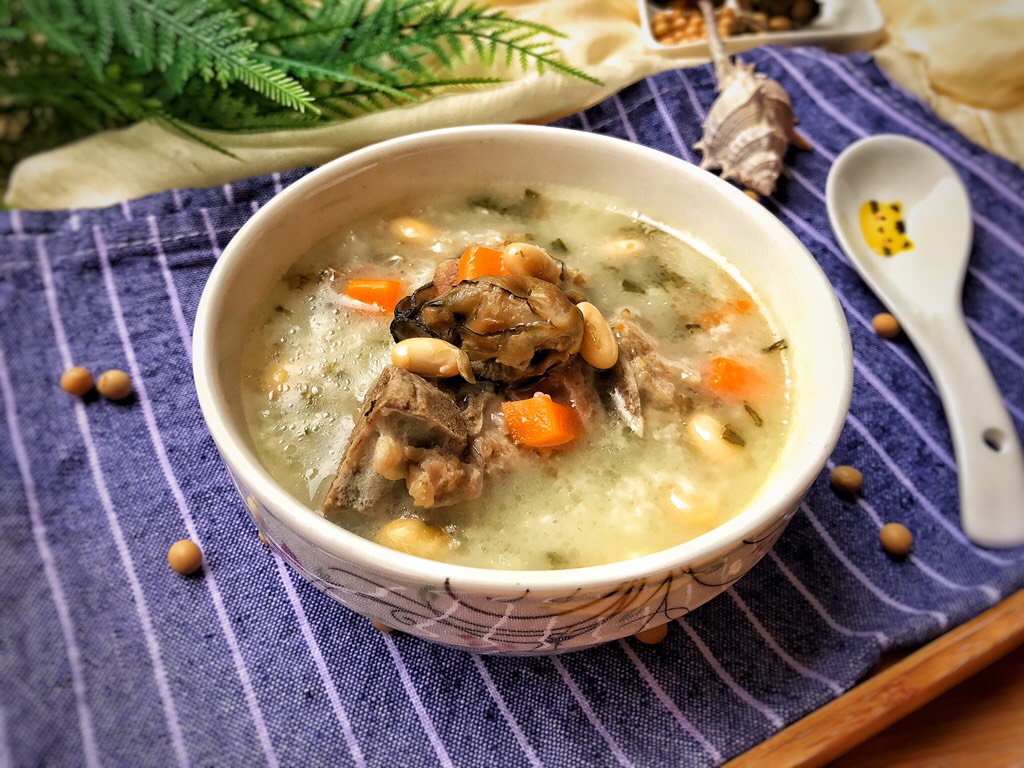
(660, 381)
(408, 430)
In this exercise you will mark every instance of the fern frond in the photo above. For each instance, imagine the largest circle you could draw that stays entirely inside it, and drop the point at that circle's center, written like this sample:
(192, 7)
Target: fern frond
(428, 86)
(419, 37)
(53, 25)
(279, 11)
(186, 131)
(334, 75)
(243, 64)
(333, 18)
(179, 38)
(541, 55)
(101, 15)
(132, 32)
(268, 81)
(391, 75)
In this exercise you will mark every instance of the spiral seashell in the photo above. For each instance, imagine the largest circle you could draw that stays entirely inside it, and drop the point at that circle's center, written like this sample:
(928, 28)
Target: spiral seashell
(748, 130)
(750, 125)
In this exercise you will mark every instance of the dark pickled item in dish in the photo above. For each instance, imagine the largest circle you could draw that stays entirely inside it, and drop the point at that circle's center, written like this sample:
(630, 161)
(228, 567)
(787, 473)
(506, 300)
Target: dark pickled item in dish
(800, 12)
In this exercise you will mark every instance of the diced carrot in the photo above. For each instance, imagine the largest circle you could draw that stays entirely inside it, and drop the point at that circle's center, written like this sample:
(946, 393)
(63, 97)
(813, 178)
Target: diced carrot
(718, 315)
(733, 379)
(382, 293)
(710, 319)
(540, 422)
(478, 260)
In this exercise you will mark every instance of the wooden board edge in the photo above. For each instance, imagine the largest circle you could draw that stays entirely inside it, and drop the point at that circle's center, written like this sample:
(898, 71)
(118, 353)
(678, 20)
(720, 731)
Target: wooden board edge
(880, 701)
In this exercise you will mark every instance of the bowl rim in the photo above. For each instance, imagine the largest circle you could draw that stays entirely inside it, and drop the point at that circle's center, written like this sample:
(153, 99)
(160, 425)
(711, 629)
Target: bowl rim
(317, 530)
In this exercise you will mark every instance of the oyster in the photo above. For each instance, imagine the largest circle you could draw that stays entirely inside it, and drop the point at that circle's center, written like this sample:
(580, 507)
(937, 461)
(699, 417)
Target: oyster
(750, 125)
(514, 328)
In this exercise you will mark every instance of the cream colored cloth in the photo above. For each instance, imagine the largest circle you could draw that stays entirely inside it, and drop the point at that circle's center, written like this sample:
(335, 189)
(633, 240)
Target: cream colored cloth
(965, 58)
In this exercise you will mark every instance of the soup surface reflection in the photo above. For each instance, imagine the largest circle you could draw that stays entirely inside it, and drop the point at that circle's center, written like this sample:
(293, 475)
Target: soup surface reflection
(674, 440)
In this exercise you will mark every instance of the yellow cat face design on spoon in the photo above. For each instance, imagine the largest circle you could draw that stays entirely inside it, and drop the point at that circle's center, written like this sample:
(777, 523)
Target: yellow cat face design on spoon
(883, 228)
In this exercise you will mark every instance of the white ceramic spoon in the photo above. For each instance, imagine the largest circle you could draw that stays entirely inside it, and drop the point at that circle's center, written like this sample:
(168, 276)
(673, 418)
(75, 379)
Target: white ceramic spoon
(922, 287)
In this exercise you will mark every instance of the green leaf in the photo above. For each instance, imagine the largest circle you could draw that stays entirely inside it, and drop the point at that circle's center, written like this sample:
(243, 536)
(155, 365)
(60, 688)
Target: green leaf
(272, 83)
(185, 130)
(102, 16)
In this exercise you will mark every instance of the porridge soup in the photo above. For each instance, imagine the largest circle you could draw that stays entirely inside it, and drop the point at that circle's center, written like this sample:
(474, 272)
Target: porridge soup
(588, 434)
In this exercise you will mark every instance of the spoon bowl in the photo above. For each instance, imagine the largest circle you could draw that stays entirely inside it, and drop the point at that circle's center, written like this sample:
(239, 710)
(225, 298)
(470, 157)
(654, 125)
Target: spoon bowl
(922, 286)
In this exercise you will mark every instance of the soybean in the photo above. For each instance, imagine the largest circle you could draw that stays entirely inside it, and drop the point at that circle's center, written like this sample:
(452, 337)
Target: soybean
(414, 537)
(653, 635)
(432, 357)
(885, 325)
(599, 347)
(114, 384)
(411, 230)
(531, 260)
(847, 479)
(713, 438)
(896, 539)
(623, 247)
(76, 381)
(185, 557)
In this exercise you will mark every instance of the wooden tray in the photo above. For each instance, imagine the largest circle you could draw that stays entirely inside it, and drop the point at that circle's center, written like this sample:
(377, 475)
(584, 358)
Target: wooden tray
(894, 690)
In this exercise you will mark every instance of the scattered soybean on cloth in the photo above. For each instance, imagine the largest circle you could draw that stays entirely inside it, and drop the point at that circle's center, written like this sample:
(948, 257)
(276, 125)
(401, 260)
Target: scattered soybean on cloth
(109, 657)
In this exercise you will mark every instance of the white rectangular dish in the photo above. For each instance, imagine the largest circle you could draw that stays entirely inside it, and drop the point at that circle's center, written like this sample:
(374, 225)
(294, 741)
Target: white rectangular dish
(841, 26)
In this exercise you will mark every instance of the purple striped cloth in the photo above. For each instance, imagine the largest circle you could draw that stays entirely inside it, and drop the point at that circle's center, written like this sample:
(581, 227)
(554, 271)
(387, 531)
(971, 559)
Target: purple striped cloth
(109, 658)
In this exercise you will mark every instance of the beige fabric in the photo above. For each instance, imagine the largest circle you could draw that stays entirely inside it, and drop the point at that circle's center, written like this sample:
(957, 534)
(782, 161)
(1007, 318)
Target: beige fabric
(965, 58)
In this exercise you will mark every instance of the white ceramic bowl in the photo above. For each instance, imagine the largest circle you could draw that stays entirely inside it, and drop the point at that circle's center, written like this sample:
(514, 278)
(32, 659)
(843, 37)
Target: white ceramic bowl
(525, 611)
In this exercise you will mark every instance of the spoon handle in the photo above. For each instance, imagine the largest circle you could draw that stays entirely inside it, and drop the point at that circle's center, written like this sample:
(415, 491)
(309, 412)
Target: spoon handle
(988, 451)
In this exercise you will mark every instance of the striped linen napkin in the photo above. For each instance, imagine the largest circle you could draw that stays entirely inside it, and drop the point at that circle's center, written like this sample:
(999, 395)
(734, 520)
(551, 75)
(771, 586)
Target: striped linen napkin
(109, 658)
